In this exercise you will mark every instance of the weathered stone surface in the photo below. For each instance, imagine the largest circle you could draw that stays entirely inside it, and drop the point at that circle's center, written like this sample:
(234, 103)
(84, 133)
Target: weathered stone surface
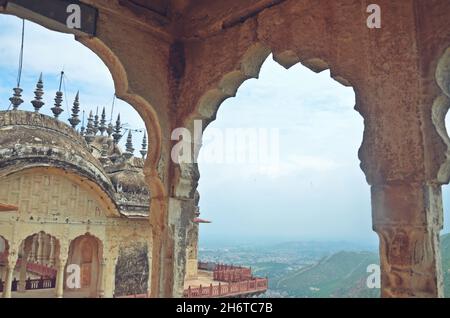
(132, 270)
(176, 61)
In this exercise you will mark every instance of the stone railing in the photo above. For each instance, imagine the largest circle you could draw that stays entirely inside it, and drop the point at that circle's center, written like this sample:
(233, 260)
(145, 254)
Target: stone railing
(39, 269)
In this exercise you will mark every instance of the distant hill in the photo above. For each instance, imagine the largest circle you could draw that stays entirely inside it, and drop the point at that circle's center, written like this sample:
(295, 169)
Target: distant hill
(344, 274)
(341, 275)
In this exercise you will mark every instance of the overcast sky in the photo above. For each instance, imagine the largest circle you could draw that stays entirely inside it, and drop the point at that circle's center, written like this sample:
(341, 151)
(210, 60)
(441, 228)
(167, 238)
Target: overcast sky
(314, 191)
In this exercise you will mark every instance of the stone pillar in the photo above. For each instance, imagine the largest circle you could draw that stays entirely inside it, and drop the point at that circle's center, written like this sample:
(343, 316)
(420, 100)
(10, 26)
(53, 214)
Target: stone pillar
(51, 261)
(408, 218)
(103, 277)
(23, 274)
(181, 213)
(149, 257)
(40, 247)
(60, 277)
(109, 279)
(192, 253)
(34, 246)
(11, 264)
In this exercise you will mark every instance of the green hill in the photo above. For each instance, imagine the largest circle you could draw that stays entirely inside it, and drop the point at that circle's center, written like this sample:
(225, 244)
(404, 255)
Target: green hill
(344, 274)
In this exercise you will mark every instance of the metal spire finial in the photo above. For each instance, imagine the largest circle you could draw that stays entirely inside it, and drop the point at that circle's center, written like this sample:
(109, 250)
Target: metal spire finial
(82, 126)
(117, 130)
(102, 127)
(129, 144)
(37, 102)
(16, 99)
(143, 151)
(75, 120)
(57, 110)
(96, 122)
(90, 129)
(110, 129)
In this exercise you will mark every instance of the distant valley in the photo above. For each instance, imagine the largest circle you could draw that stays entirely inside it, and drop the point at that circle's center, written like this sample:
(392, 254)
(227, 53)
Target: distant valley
(313, 269)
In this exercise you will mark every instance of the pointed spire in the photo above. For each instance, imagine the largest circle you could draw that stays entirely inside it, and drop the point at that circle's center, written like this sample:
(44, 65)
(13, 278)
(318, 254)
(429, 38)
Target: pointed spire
(102, 127)
(90, 129)
(104, 152)
(57, 110)
(96, 122)
(143, 151)
(82, 126)
(117, 130)
(37, 102)
(129, 150)
(16, 99)
(110, 129)
(75, 120)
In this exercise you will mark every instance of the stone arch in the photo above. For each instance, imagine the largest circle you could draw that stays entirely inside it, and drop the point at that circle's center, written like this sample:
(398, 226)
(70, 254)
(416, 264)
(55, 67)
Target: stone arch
(28, 237)
(440, 107)
(86, 251)
(249, 67)
(142, 106)
(37, 256)
(91, 186)
(4, 249)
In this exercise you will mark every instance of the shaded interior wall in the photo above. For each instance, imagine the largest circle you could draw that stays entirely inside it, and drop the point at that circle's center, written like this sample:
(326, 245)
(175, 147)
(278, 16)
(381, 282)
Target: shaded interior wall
(192, 253)
(132, 270)
(84, 251)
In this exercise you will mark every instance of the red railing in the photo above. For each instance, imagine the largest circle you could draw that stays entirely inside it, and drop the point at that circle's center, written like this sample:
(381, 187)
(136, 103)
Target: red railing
(3, 257)
(133, 296)
(227, 289)
(30, 284)
(39, 269)
(227, 273)
(233, 274)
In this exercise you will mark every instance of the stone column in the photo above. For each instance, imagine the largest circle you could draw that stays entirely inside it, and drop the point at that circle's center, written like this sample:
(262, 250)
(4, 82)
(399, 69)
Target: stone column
(110, 277)
(34, 246)
(40, 247)
(51, 261)
(149, 257)
(192, 253)
(60, 277)
(103, 277)
(408, 218)
(181, 213)
(11, 264)
(23, 274)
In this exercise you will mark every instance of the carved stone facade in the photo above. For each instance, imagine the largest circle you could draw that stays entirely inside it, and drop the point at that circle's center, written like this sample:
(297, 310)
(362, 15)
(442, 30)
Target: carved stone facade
(70, 206)
(177, 61)
(132, 270)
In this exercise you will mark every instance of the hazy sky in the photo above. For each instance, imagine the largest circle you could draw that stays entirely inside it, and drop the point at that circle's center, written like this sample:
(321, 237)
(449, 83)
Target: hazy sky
(316, 190)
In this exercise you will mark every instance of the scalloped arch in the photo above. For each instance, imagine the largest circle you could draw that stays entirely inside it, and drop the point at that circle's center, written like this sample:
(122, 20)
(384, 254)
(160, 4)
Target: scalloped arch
(249, 67)
(28, 235)
(121, 84)
(439, 109)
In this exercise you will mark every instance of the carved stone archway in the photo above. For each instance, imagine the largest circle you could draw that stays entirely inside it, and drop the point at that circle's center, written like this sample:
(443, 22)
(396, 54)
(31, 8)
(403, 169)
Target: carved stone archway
(195, 52)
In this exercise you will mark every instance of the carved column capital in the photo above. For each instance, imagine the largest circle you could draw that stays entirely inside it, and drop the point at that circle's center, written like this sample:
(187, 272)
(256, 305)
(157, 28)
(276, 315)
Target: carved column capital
(12, 260)
(407, 219)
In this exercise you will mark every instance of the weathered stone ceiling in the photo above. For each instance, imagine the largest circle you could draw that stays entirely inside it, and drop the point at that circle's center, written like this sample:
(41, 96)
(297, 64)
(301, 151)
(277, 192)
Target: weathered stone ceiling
(186, 18)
